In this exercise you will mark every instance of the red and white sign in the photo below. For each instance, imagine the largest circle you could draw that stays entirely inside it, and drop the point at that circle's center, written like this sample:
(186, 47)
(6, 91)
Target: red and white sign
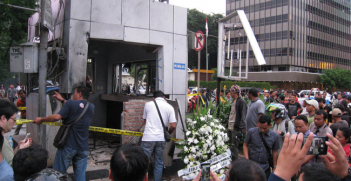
(199, 41)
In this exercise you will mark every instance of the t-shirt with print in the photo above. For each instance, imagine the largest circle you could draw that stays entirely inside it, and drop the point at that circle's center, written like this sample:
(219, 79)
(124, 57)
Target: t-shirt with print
(78, 135)
(292, 108)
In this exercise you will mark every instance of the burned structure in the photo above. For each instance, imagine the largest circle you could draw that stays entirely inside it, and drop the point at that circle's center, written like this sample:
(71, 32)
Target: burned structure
(94, 42)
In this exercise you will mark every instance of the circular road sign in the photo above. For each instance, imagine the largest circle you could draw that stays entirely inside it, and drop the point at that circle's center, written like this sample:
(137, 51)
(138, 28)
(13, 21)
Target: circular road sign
(199, 41)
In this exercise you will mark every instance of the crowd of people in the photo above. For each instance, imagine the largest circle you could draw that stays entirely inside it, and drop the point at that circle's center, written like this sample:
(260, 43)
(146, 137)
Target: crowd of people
(273, 144)
(29, 161)
(288, 114)
(12, 92)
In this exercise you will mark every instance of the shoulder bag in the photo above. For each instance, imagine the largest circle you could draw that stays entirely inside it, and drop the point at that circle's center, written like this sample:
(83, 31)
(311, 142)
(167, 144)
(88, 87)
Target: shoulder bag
(61, 136)
(165, 128)
(270, 159)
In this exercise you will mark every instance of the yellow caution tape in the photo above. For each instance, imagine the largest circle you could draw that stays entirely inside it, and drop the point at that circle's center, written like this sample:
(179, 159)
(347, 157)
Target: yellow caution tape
(92, 128)
(22, 108)
(203, 102)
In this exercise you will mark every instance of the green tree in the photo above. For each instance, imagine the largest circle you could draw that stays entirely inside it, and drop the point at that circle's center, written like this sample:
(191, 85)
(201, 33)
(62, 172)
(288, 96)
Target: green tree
(338, 78)
(196, 22)
(13, 30)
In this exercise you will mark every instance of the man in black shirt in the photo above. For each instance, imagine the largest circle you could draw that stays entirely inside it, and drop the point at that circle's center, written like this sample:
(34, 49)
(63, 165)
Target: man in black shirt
(292, 107)
(327, 109)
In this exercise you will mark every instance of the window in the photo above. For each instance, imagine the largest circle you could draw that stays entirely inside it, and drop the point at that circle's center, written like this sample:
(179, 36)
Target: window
(90, 74)
(279, 3)
(267, 37)
(247, 9)
(279, 35)
(285, 68)
(261, 22)
(268, 21)
(273, 36)
(273, 52)
(256, 7)
(257, 22)
(279, 52)
(285, 17)
(268, 4)
(273, 20)
(285, 35)
(273, 3)
(279, 19)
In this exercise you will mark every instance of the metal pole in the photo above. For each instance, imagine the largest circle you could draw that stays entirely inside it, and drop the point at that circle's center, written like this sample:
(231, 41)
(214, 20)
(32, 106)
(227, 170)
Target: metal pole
(42, 73)
(206, 61)
(218, 93)
(198, 77)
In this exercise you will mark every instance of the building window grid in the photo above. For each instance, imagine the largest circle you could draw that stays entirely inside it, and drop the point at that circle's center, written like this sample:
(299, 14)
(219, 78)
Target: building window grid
(299, 53)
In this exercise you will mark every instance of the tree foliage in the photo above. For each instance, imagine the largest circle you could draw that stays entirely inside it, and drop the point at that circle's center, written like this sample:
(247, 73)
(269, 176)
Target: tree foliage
(13, 30)
(196, 22)
(338, 78)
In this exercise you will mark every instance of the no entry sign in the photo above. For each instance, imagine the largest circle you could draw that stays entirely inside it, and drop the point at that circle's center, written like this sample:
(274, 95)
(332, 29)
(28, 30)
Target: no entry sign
(199, 41)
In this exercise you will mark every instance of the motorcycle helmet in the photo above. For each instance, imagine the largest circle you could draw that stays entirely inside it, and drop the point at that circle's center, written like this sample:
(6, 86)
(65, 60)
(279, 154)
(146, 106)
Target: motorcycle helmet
(49, 174)
(278, 109)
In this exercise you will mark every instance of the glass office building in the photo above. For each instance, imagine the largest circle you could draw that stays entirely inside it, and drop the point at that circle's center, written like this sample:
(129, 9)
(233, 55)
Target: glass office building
(298, 38)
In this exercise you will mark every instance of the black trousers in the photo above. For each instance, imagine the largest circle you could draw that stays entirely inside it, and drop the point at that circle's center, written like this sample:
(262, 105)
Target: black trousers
(235, 144)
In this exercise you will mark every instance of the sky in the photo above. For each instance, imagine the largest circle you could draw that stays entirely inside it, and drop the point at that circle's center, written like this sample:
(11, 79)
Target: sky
(205, 6)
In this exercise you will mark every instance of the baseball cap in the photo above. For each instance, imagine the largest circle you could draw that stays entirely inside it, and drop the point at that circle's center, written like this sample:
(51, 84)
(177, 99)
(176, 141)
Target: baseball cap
(314, 103)
(336, 112)
(266, 91)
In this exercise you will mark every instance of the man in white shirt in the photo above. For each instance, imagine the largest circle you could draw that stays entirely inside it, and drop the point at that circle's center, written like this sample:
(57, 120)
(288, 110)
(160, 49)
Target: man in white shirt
(153, 140)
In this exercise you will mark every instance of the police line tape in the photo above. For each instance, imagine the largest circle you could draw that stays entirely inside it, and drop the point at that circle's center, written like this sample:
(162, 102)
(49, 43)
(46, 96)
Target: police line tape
(22, 108)
(92, 128)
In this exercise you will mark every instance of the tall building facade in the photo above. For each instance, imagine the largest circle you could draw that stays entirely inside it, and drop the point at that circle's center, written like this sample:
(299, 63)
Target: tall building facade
(298, 38)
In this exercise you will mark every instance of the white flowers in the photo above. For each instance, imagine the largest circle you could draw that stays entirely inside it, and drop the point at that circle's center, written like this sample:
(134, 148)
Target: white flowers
(186, 160)
(193, 150)
(205, 139)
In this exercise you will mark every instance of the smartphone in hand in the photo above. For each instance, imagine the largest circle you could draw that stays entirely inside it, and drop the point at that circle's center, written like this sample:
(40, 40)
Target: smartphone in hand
(26, 137)
(205, 167)
(318, 146)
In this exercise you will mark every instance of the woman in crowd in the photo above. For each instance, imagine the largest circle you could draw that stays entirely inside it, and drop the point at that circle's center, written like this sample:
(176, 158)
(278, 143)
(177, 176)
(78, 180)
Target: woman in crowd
(343, 136)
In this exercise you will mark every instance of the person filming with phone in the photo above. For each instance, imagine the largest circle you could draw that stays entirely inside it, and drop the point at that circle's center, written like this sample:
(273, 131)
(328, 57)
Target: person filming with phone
(8, 112)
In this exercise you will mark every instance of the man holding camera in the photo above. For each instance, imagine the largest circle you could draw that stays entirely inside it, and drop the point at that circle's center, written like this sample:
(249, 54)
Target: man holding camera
(236, 122)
